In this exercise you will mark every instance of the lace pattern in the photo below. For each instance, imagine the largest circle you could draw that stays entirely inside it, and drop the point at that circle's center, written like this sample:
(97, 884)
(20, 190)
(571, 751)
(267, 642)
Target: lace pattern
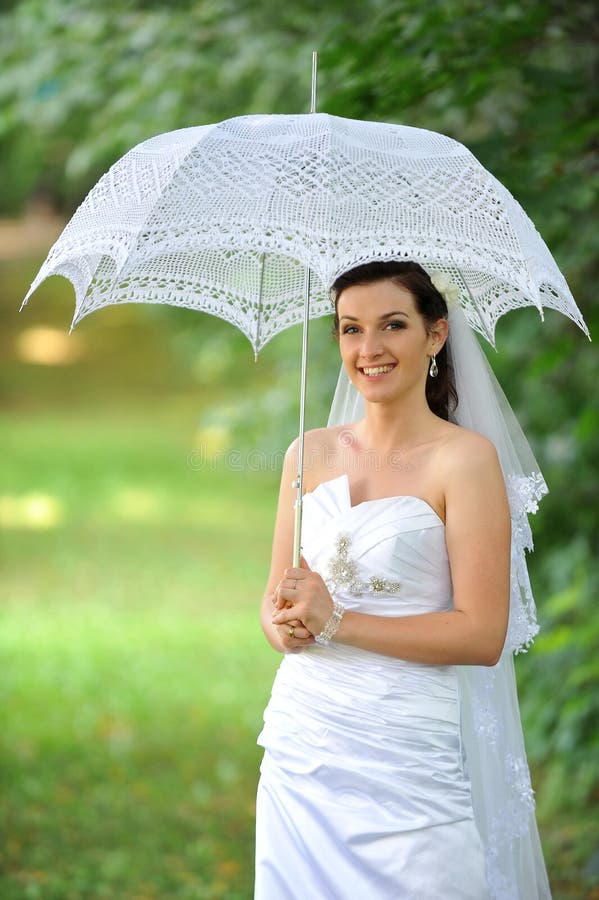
(524, 493)
(510, 824)
(225, 218)
(513, 817)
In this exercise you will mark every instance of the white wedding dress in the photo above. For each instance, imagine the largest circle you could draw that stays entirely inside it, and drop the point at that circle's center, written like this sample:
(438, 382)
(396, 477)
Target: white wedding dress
(364, 791)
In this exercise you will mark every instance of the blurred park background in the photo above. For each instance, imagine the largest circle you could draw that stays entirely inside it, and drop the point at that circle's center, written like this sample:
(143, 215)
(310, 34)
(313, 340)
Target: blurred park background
(134, 672)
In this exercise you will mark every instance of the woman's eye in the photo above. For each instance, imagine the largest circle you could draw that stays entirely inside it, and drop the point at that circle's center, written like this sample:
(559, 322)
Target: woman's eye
(352, 329)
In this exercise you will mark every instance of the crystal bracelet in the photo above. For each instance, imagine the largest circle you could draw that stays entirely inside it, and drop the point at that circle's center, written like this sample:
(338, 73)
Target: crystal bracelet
(332, 626)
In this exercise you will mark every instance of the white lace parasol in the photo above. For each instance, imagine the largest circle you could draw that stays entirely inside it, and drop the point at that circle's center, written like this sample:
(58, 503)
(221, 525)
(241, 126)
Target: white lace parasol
(227, 218)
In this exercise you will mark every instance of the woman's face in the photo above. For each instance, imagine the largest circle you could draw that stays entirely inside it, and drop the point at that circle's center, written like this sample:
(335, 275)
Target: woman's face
(383, 340)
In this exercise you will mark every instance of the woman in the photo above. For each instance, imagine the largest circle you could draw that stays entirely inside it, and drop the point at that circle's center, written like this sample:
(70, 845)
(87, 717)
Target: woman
(365, 788)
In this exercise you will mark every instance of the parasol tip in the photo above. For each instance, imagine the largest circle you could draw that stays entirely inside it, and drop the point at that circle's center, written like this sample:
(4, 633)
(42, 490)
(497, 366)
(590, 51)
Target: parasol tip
(27, 296)
(314, 80)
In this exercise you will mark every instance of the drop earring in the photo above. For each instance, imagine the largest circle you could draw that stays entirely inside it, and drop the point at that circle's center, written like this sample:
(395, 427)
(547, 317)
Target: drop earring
(434, 369)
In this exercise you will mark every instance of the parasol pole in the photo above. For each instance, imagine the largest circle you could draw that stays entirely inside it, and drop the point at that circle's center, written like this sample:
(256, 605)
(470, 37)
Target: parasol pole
(299, 483)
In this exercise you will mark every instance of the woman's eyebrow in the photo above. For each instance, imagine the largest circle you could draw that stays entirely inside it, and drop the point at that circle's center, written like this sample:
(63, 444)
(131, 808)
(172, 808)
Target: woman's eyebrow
(395, 312)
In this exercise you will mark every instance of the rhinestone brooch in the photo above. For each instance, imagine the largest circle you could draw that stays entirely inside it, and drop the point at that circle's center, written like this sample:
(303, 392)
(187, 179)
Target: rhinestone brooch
(343, 573)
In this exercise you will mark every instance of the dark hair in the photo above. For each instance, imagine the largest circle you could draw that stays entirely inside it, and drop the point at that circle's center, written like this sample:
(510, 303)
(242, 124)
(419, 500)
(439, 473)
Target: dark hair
(441, 394)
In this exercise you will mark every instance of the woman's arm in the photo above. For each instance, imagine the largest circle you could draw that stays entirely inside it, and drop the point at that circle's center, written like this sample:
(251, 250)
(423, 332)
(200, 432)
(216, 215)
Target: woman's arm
(478, 533)
(282, 555)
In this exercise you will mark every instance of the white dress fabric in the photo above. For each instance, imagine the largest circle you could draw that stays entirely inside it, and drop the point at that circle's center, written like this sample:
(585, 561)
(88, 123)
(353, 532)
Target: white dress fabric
(364, 788)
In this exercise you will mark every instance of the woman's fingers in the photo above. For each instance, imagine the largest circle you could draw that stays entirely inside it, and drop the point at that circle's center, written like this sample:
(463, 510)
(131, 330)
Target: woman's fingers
(282, 599)
(286, 616)
(297, 571)
(286, 593)
(294, 638)
(299, 630)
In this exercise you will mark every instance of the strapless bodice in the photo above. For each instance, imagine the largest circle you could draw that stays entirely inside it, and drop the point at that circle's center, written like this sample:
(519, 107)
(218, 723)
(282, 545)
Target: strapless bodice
(386, 556)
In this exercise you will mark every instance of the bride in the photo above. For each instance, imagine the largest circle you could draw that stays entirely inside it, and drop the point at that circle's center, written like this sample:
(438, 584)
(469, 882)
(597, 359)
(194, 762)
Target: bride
(390, 629)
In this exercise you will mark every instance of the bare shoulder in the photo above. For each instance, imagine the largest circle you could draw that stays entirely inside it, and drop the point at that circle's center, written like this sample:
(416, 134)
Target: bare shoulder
(317, 441)
(321, 451)
(470, 470)
(463, 450)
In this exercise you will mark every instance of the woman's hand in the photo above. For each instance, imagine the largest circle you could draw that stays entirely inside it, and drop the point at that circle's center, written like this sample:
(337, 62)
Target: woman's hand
(292, 635)
(303, 597)
(294, 638)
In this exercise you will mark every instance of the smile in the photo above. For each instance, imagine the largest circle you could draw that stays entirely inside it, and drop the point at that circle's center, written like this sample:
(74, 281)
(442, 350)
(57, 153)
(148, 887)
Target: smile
(377, 371)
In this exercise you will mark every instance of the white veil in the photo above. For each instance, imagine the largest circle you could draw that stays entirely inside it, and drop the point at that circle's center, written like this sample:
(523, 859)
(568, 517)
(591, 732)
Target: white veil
(492, 738)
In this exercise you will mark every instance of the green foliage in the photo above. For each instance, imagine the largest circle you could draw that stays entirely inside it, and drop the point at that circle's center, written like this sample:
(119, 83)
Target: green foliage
(559, 682)
(81, 83)
(269, 421)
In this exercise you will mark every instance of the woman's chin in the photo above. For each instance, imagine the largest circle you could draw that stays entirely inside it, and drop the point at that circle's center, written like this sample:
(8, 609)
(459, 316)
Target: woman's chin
(375, 388)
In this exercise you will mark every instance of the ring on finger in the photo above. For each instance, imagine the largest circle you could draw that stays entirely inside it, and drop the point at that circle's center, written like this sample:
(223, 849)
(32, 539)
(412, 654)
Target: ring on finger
(291, 631)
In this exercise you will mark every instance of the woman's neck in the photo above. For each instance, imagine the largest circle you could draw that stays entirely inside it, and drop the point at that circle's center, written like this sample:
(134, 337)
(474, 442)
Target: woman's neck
(396, 426)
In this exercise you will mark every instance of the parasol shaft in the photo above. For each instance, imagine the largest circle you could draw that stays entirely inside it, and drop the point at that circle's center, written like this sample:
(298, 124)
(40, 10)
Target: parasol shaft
(299, 484)
(300, 459)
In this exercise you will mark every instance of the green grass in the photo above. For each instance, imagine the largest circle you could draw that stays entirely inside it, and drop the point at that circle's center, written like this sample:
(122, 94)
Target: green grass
(134, 671)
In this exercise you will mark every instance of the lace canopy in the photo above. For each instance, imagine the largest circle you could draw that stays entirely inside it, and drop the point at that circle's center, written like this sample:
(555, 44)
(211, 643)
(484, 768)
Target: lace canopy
(226, 218)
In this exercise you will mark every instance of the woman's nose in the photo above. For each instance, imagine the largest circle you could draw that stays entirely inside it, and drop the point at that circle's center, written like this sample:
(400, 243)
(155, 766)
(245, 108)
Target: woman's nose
(371, 344)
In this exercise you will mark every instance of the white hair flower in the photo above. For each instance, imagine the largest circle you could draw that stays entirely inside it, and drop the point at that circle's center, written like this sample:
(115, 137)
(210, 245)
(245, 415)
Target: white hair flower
(449, 291)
